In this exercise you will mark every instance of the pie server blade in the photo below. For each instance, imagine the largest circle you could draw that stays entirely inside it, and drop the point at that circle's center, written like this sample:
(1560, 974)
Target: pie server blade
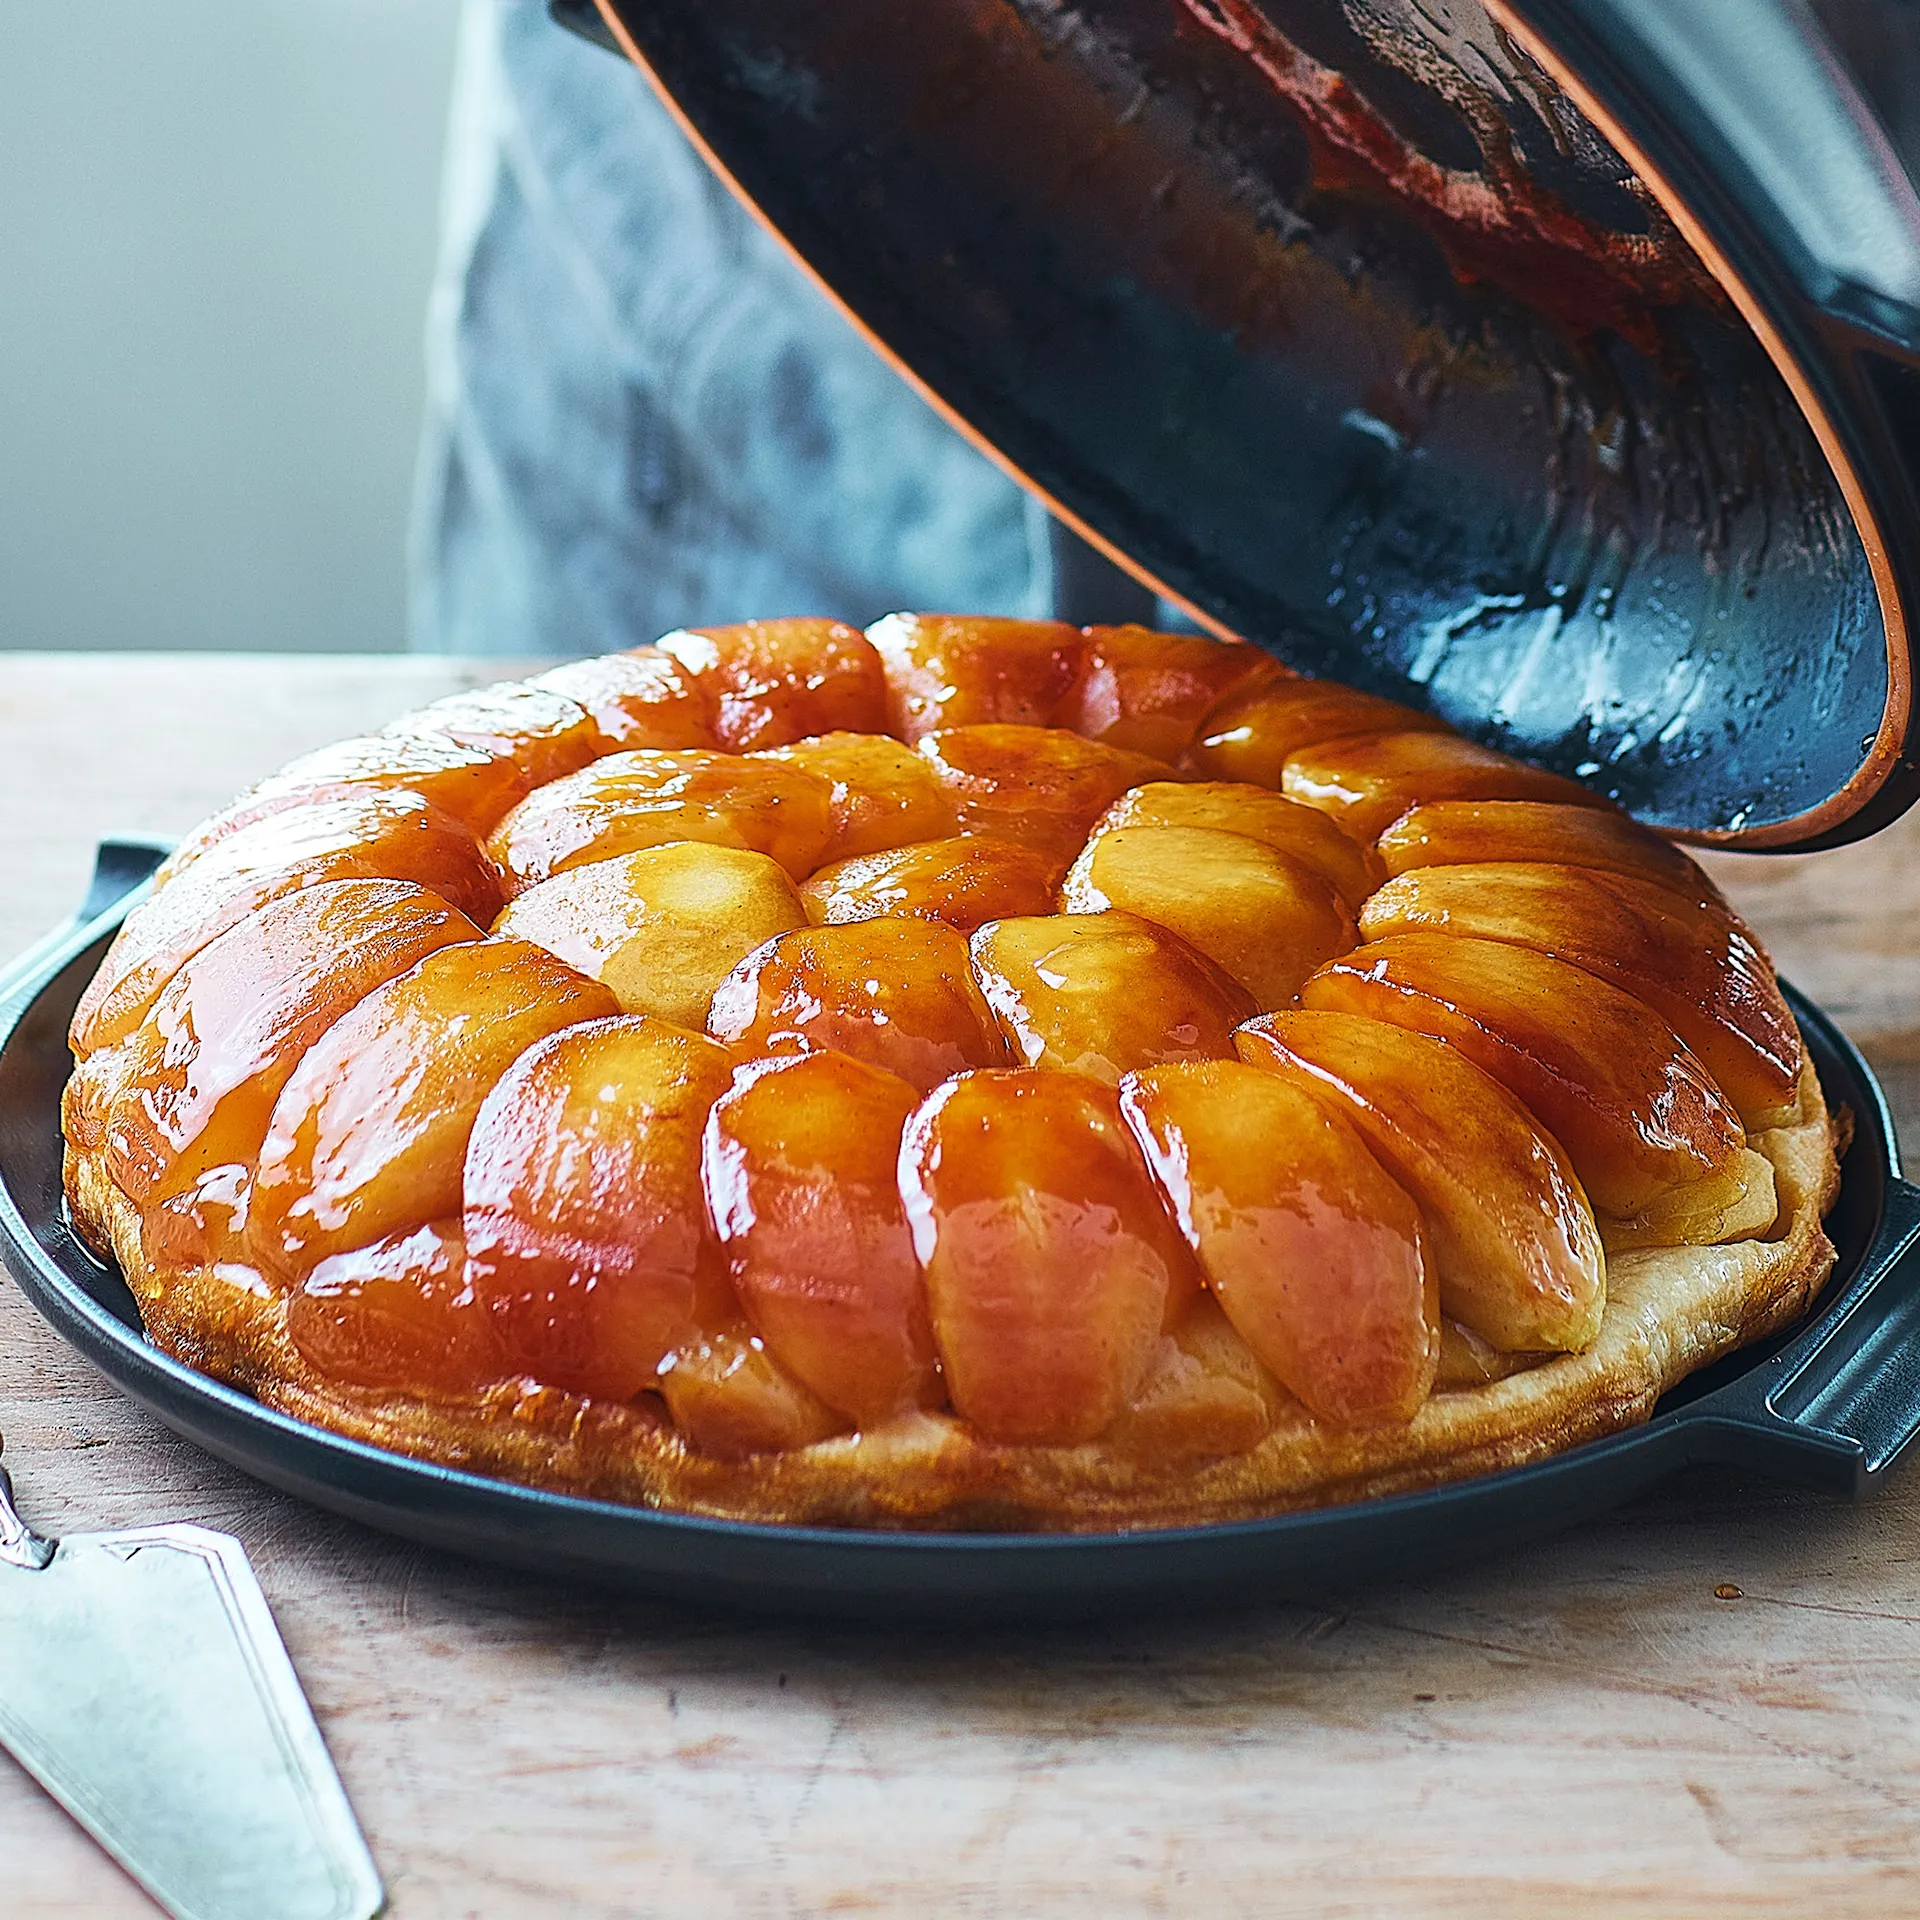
(144, 1685)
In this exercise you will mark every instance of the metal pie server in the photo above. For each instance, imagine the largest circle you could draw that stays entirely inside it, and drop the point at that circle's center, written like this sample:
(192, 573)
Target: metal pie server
(144, 1685)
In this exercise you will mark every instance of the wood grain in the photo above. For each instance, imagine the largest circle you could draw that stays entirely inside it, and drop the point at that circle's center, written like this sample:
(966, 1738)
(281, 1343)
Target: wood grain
(1582, 1727)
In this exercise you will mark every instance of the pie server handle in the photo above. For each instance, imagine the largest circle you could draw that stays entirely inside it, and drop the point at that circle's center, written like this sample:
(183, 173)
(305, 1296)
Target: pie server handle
(1838, 1405)
(144, 1685)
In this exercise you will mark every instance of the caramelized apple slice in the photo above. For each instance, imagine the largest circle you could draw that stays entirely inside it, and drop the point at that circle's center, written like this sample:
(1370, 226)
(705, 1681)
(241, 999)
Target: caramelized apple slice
(1150, 691)
(1301, 833)
(896, 993)
(1104, 993)
(1609, 1079)
(646, 799)
(948, 670)
(1314, 1253)
(1052, 1269)
(465, 783)
(398, 1315)
(206, 1065)
(1467, 1361)
(1261, 724)
(1510, 1236)
(660, 928)
(884, 794)
(1470, 833)
(587, 1238)
(730, 1398)
(370, 835)
(544, 732)
(772, 681)
(963, 883)
(1368, 783)
(1040, 786)
(1264, 918)
(1735, 1202)
(1204, 1394)
(801, 1174)
(643, 698)
(1693, 962)
(369, 1133)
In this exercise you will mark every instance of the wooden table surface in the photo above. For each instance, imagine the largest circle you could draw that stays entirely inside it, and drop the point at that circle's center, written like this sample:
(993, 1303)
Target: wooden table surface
(1708, 1702)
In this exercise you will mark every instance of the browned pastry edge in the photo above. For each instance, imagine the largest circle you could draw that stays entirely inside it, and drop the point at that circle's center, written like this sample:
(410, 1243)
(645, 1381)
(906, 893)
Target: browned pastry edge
(1669, 1312)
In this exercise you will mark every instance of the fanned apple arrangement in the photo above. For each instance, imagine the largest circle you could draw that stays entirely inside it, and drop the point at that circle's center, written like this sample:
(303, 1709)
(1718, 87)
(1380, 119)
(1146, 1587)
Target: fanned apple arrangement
(974, 1074)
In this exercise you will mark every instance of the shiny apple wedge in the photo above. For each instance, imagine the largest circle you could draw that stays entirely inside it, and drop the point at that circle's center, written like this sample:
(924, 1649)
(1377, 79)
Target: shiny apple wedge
(773, 681)
(641, 698)
(1104, 993)
(1263, 917)
(370, 835)
(1204, 1394)
(1228, 806)
(952, 670)
(730, 1398)
(204, 1069)
(1052, 1268)
(470, 784)
(802, 1179)
(398, 1315)
(370, 1132)
(646, 799)
(960, 882)
(660, 928)
(1257, 727)
(896, 993)
(587, 1236)
(544, 733)
(1368, 783)
(1510, 1235)
(1040, 786)
(1314, 1253)
(1693, 962)
(1461, 833)
(1635, 1110)
(1150, 691)
(884, 794)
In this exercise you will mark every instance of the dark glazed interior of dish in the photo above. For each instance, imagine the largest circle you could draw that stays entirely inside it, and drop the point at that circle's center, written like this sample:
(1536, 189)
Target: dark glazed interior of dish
(1339, 318)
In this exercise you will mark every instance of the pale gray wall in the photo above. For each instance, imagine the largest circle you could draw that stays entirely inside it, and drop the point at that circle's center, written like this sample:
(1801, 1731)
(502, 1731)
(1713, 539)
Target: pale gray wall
(216, 234)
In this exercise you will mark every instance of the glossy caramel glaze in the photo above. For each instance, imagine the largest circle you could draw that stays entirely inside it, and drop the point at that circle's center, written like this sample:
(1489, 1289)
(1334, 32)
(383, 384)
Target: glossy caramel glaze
(1037, 786)
(1104, 993)
(379, 835)
(644, 698)
(1369, 782)
(1635, 1110)
(802, 1166)
(587, 1240)
(1690, 959)
(1264, 918)
(1253, 733)
(963, 882)
(650, 798)
(943, 1045)
(1315, 1254)
(897, 993)
(1514, 1243)
(775, 681)
(1051, 1267)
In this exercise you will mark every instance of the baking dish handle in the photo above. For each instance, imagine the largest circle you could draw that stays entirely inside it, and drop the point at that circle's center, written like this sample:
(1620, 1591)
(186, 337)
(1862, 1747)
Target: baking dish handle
(1839, 1405)
(121, 866)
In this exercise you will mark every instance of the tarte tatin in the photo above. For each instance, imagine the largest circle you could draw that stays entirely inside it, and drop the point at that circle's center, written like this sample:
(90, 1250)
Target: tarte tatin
(972, 1074)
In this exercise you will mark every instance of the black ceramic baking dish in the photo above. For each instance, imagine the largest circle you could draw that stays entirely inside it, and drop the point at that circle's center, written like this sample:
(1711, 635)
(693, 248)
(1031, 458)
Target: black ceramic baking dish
(1832, 1404)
